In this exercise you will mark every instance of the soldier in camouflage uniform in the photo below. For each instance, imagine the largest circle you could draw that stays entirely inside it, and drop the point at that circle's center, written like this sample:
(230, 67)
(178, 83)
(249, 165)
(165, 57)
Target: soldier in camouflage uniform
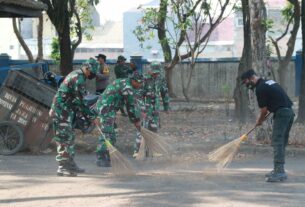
(154, 86)
(67, 101)
(120, 92)
(122, 70)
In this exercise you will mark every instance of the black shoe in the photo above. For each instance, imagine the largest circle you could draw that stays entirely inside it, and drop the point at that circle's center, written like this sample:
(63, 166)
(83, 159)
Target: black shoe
(103, 159)
(65, 169)
(75, 167)
(267, 175)
(103, 163)
(277, 175)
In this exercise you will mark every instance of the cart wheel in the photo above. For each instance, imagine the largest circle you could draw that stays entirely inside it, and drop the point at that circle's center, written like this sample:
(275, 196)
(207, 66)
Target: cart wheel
(11, 138)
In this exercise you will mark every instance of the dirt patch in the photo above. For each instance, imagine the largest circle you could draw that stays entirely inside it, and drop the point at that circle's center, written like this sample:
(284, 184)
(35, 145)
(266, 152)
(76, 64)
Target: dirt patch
(192, 129)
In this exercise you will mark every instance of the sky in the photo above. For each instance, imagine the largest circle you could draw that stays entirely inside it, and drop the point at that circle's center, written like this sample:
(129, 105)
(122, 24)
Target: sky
(114, 9)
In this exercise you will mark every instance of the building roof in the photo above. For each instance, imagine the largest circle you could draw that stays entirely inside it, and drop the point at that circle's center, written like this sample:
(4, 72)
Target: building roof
(109, 35)
(21, 8)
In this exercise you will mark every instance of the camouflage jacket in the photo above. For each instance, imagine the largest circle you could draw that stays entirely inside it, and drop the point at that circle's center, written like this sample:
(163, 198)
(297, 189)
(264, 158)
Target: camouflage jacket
(122, 71)
(70, 94)
(117, 94)
(154, 88)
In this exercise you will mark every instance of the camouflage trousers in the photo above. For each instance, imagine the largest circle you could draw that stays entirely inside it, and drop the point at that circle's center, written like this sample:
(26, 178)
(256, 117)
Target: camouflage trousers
(151, 119)
(64, 134)
(107, 126)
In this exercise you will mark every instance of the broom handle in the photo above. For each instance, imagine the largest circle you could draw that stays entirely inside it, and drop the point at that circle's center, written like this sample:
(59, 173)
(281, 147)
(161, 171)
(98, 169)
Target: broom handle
(256, 126)
(100, 130)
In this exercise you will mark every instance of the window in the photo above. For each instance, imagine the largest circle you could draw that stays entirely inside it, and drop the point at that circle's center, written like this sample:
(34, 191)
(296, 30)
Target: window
(239, 22)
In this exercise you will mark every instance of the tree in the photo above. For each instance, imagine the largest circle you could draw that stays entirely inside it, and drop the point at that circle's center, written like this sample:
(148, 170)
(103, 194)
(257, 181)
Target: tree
(240, 95)
(16, 28)
(67, 17)
(196, 30)
(178, 15)
(291, 14)
(258, 16)
(301, 112)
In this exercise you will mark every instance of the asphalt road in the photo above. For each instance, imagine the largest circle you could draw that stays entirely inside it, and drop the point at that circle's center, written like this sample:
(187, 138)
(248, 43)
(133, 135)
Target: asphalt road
(30, 180)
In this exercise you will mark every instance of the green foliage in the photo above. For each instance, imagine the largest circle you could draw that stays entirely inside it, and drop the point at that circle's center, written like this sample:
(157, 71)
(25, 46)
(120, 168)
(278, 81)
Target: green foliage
(83, 8)
(269, 48)
(147, 24)
(287, 12)
(55, 54)
(268, 24)
(206, 7)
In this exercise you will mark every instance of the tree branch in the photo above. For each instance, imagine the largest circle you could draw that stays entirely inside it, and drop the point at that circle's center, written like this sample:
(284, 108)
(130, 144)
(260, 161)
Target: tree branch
(21, 41)
(78, 32)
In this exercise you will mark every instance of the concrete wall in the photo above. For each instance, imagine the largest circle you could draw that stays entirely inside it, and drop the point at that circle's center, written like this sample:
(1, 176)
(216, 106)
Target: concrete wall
(211, 79)
(216, 80)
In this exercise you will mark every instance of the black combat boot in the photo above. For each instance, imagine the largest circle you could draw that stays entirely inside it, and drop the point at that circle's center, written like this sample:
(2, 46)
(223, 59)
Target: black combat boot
(137, 145)
(75, 167)
(153, 127)
(277, 175)
(65, 169)
(103, 160)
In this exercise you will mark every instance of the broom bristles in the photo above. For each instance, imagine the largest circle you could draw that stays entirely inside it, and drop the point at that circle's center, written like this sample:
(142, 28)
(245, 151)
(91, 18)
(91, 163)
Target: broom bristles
(119, 164)
(151, 143)
(225, 154)
(142, 150)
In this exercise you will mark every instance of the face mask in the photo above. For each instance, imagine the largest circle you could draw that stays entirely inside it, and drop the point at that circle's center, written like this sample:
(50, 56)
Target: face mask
(250, 85)
(91, 76)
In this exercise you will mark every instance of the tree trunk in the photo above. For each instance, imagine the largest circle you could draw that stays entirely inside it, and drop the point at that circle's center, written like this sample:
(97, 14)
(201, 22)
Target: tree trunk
(242, 112)
(258, 16)
(60, 12)
(283, 62)
(184, 87)
(283, 74)
(169, 79)
(258, 30)
(188, 76)
(39, 39)
(66, 60)
(301, 112)
(21, 40)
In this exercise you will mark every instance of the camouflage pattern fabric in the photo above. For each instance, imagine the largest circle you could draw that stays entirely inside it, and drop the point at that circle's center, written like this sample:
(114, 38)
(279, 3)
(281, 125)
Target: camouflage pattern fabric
(66, 102)
(148, 104)
(153, 89)
(116, 94)
(122, 71)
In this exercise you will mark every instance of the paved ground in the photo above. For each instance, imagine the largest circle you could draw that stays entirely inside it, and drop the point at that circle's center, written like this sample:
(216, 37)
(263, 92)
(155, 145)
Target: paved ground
(27, 180)
(187, 179)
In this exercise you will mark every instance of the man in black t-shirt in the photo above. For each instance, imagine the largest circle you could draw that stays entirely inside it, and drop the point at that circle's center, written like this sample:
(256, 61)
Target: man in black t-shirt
(272, 98)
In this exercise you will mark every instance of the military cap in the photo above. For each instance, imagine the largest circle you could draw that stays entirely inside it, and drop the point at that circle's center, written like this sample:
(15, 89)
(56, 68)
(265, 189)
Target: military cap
(137, 77)
(121, 58)
(91, 64)
(155, 67)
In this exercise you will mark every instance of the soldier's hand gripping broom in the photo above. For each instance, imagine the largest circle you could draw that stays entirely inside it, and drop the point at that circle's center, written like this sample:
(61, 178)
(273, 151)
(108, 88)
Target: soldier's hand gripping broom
(120, 165)
(225, 154)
